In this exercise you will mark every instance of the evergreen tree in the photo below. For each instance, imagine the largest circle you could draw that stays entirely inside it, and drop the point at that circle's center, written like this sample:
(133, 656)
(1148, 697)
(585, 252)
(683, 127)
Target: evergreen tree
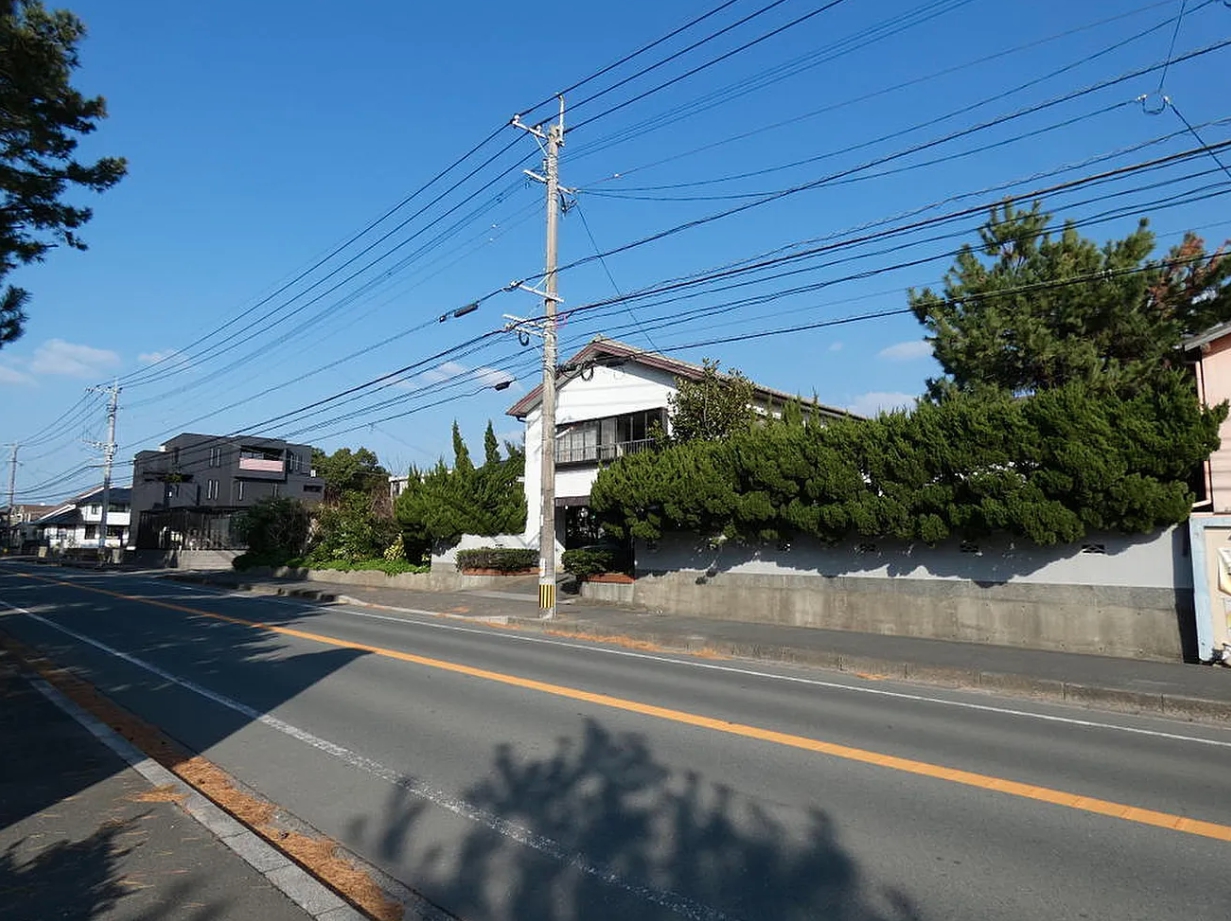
(41, 120)
(1031, 310)
(716, 406)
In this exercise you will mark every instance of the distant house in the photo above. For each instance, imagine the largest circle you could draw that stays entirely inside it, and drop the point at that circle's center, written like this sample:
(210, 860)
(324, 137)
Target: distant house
(607, 406)
(186, 494)
(20, 530)
(76, 522)
(397, 486)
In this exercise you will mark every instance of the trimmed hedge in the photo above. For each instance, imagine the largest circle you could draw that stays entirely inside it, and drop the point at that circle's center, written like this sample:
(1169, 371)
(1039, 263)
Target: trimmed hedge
(501, 559)
(584, 563)
(1049, 468)
(388, 567)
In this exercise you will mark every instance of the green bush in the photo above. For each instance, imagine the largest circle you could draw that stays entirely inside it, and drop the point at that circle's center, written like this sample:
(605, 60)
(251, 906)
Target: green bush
(583, 563)
(1049, 468)
(388, 567)
(275, 530)
(250, 560)
(502, 559)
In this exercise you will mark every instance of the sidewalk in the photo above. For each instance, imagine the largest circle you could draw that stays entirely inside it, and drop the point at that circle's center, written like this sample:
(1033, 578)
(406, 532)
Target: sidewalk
(1174, 689)
(84, 835)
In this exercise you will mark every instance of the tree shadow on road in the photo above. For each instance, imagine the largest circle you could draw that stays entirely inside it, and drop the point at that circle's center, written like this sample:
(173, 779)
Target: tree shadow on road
(600, 828)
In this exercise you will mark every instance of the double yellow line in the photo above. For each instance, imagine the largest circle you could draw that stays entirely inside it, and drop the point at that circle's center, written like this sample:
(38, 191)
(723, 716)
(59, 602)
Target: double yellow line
(891, 762)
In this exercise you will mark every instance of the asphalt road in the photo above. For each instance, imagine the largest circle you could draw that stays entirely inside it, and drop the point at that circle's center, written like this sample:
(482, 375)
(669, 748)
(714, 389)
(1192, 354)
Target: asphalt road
(508, 775)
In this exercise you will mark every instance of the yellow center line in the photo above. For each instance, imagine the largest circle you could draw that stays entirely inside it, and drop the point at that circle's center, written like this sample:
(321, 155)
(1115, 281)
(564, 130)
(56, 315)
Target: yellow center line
(892, 762)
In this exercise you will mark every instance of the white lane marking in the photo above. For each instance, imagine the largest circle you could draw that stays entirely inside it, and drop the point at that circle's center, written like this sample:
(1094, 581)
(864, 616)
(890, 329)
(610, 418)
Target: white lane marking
(673, 901)
(745, 672)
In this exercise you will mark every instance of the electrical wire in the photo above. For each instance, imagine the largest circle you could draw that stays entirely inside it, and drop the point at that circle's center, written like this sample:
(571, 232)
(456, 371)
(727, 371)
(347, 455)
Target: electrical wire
(830, 107)
(925, 145)
(799, 20)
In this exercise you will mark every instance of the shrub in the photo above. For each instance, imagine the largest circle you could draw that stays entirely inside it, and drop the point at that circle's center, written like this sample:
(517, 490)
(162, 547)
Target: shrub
(275, 529)
(388, 567)
(591, 561)
(501, 559)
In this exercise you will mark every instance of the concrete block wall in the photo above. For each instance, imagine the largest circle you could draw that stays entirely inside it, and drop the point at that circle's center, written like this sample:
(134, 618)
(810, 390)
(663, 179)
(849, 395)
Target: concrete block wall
(1123, 596)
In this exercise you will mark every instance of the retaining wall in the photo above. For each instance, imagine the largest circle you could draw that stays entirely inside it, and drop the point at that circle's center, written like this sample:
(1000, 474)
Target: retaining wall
(1112, 595)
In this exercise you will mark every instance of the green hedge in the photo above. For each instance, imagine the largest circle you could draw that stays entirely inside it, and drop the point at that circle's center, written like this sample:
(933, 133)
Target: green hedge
(502, 559)
(1048, 468)
(591, 562)
(388, 567)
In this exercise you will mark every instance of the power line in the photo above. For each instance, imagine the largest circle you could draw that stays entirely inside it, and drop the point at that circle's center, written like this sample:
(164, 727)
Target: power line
(816, 183)
(799, 20)
(340, 248)
(603, 262)
(829, 107)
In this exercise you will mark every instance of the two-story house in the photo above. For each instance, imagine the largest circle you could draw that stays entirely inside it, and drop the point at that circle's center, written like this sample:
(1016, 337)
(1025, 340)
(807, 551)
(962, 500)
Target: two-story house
(186, 493)
(75, 523)
(607, 406)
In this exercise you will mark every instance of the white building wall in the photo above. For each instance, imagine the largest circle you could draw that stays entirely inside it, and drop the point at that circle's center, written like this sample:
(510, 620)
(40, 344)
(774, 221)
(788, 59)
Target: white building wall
(609, 392)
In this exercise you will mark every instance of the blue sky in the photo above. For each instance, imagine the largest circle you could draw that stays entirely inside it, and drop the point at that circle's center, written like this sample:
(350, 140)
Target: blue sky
(262, 135)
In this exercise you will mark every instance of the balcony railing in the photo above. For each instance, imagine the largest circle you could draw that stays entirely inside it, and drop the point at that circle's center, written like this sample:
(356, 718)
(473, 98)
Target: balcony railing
(261, 464)
(593, 454)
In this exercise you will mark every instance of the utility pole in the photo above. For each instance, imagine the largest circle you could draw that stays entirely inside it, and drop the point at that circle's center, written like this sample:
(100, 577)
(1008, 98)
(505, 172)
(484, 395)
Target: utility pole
(108, 447)
(12, 496)
(551, 141)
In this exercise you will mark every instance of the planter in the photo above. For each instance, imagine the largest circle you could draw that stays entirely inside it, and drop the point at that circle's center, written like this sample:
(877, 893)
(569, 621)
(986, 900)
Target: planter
(498, 572)
(618, 578)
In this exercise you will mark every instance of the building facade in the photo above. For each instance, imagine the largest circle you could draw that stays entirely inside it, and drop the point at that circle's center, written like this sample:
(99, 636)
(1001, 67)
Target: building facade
(186, 493)
(608, 404)
(76, 523)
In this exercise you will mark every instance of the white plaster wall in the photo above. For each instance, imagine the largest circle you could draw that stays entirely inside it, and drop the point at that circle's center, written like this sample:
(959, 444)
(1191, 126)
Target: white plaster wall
(1159, 560)
(610, 392)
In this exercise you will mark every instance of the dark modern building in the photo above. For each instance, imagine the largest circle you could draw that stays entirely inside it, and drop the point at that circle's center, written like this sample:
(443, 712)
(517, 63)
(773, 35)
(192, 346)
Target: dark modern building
(186, 494)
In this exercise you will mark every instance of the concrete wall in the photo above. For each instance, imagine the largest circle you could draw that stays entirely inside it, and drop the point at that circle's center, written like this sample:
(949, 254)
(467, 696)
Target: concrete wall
(201, 560)
(1124, 596)
(444, 559)
(445, 581)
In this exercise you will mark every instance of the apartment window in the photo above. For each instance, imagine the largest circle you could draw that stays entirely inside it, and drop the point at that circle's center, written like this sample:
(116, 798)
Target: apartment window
(211, 489)
(215, 457)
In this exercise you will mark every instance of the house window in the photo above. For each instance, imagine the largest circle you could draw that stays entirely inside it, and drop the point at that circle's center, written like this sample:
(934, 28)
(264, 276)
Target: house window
(215, 457)
(239, 490)
(211, 489)
(294, 463)
(277, 490)
(311, 487)
(607, 439)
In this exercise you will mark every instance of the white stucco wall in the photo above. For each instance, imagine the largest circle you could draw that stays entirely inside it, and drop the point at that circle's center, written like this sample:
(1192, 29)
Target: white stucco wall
(1159, 560)
(609, 392)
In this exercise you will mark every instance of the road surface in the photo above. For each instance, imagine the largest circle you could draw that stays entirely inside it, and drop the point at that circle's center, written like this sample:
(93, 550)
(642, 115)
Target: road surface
(512, 775)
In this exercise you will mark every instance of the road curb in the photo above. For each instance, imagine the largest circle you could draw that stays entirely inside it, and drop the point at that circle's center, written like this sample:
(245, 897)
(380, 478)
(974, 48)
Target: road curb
(958, 677)
(309, 893)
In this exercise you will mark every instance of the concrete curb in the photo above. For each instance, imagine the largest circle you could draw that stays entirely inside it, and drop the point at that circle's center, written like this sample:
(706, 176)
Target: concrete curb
(313, 896)
(1017, 685)
(301, 887)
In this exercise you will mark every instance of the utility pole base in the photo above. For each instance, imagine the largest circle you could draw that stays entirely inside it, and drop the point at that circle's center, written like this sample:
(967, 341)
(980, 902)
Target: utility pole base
(547, 599)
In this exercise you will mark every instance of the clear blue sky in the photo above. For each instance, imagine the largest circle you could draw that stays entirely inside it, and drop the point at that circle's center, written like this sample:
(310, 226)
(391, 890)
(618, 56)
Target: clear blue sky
(260, 135)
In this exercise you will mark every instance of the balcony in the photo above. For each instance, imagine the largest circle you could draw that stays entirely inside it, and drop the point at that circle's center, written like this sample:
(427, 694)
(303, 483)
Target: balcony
(599, 453)
(260, 464)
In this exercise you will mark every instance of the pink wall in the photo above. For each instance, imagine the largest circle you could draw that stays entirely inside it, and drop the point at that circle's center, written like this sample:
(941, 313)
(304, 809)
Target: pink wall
(1214, 381)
